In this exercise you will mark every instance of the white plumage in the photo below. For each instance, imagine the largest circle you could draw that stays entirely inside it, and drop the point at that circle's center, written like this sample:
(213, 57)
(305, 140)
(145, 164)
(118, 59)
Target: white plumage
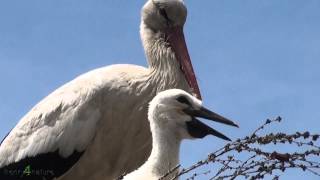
(95, 126)
(172, 118)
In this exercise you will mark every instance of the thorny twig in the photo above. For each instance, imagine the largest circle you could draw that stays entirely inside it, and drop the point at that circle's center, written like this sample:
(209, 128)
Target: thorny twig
(259, 163)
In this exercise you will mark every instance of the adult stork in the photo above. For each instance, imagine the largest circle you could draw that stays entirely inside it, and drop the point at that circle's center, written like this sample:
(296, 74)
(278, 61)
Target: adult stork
(95, 126)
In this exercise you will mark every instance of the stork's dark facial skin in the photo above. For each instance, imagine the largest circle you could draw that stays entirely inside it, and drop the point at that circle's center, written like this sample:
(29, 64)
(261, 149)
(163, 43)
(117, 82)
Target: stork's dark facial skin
(197, 129)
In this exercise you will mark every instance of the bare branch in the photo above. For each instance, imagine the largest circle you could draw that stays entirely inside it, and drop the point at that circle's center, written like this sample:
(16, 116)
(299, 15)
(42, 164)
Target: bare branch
(259, 162)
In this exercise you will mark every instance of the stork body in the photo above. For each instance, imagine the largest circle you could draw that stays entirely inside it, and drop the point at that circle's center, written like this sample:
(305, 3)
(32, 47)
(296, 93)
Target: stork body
(172, 115)
(95, 127)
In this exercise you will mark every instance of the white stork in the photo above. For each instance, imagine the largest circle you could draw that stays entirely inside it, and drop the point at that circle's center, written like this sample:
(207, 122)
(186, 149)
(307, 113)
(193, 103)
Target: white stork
(172, 116)
(95, 126)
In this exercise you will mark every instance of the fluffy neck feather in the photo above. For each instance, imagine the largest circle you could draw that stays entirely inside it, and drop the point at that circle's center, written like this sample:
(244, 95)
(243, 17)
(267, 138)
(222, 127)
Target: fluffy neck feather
(164, 68)
(165, 151)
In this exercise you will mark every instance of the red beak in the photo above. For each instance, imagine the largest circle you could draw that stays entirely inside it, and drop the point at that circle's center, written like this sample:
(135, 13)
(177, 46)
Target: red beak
(177, 41)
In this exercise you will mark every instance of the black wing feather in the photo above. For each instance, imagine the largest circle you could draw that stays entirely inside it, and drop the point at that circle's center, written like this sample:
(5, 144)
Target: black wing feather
(41, 167)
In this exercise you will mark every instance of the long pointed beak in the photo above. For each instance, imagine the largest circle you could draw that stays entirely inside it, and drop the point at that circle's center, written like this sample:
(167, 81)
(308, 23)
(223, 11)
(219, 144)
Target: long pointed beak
(198, 129)
(177, 41)
(207, 114)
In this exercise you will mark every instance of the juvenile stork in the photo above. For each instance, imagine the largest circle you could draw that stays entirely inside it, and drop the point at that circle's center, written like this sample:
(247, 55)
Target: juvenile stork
(172, 116)
(95, 126)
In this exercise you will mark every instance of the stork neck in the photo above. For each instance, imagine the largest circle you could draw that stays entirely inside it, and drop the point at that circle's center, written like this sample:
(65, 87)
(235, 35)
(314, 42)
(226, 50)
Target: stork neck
(165, 152)
(164, 67)
(159, 54)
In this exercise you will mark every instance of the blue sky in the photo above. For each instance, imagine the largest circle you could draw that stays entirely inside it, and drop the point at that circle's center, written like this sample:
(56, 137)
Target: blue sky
(253, 59)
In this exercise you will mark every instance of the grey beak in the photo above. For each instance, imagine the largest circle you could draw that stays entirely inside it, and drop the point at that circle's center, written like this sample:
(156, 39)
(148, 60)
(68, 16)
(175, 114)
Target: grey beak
(198, 129)
(207, 114)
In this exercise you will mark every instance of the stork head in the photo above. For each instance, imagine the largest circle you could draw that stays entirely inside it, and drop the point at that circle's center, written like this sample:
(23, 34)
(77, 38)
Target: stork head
(164, 20)
(159, 14)
(177, 111)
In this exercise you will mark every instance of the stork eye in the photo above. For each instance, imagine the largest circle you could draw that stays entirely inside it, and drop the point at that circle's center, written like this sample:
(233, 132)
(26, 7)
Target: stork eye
(183, 100)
